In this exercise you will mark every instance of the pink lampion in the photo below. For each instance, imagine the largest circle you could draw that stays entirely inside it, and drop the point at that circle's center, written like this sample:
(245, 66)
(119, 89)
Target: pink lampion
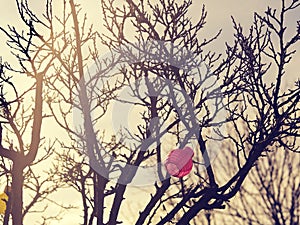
(179, 162)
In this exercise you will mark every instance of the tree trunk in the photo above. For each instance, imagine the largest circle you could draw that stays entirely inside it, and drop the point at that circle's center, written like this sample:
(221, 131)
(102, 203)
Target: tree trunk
(119, 197)
(99, 198)
(17, 193)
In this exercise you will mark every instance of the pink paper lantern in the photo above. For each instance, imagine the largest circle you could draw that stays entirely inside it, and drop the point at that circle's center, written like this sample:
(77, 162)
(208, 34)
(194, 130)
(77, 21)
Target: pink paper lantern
(179, 162)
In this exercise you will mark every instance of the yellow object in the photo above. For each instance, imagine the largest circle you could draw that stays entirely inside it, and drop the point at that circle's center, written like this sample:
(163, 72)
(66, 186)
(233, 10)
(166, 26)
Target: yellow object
(3, 201)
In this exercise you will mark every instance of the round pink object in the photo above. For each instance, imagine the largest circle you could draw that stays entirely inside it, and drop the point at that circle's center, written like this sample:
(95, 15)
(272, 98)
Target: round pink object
(179, 162)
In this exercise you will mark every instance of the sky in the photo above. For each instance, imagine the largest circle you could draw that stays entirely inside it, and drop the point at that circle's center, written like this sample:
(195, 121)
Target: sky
(219, 13)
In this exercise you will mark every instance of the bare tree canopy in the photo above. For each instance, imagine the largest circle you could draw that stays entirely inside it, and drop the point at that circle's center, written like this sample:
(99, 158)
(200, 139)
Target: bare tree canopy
(146, 103)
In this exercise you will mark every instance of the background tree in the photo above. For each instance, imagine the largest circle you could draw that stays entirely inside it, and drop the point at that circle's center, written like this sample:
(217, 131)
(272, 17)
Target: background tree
(70, 44)
(271, 192)
(21, 155)
(20, 127)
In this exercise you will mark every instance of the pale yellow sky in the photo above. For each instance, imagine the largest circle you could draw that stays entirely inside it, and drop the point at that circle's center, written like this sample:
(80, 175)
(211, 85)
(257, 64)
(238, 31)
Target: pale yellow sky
(219, 13)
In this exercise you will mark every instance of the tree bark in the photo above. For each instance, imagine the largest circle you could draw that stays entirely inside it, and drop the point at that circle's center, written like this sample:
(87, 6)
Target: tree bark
(17, 193)
(99, 198)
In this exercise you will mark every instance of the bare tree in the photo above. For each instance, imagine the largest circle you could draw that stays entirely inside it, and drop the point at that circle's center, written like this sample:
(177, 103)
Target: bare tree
(20, 155)
(21, 120)
(159, 57)
(267, 112)
(69, 45)
(270, 194)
